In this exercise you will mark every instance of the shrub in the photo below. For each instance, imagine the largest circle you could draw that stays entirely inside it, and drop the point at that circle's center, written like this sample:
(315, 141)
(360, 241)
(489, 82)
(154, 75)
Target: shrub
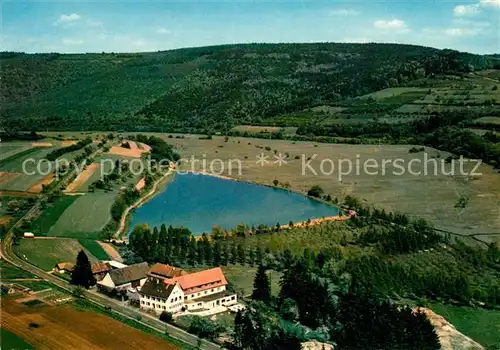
(416, 150)
(315, 191)
(166, 317)
(204, 328)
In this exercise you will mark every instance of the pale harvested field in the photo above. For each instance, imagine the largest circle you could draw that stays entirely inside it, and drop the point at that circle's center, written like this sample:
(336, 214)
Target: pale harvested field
(64, 327)
(47, 180)
(42, 144)
(68, 143)
(256, 129)
(82, 177)
(16, 194)
(132, 144)
(126, 152)
(145, 147)
(431, 197)
(6, 177)
(4, 220)
(140, 185)
(111, 251)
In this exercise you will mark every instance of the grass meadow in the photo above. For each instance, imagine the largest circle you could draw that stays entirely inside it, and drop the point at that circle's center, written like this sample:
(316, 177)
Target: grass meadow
(43, 224)
(10, 341)
(46, 253)
(482, 325)
(86, 217)
(94, 248)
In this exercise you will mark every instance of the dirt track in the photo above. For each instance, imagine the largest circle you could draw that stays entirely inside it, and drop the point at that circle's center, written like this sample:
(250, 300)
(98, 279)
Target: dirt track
(63, 327)
(82, 177)
(42, 144)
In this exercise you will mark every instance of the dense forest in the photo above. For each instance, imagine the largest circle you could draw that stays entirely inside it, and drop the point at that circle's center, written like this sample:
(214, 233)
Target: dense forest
(209, 88)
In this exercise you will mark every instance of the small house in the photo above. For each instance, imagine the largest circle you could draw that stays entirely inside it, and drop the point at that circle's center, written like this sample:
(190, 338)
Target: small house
(100, 269)
(129, 278)
(29, 235)
(64, 267)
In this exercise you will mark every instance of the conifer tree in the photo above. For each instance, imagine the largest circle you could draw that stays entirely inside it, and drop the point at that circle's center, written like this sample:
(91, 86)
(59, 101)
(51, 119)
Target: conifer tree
(217, 258)
(261, 285)
(82, 274)
(241, 254)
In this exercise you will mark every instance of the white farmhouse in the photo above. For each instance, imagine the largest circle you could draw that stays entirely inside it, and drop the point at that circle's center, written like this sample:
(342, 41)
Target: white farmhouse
(197, 291)
(129, 278)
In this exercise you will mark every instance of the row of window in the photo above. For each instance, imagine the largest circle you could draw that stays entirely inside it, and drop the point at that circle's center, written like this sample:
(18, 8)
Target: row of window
(158, 306)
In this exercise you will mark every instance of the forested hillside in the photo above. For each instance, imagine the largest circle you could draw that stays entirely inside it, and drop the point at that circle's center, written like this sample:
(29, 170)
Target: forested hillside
(210, 88)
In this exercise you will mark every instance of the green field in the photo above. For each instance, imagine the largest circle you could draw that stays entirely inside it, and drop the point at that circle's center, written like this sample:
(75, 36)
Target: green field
(10, 341)
(8, 271)
(481, 325)
(43, 224)
(86, 217)
(12, 161)
(46, 253)
(36, 285)
(32, 175)
(94, 248)
(11, 149)
(390, 92)
(488, 120)
(315, 238)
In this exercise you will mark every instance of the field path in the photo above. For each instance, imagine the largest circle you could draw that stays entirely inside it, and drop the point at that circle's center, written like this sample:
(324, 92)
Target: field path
(82, 177)
(141, 201)
(111, 251)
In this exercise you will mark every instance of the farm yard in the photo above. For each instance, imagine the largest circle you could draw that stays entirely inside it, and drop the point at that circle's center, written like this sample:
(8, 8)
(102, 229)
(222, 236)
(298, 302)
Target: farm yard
(70, 326)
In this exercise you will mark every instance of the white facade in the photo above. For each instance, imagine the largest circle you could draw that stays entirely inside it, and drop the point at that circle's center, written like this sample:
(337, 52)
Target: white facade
(196, 295)
(107, 282)
(210, 303)
(177, 301)
(173, 303)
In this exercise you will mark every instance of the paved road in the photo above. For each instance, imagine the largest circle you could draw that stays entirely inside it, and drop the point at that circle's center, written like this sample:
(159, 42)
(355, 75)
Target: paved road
(93, 296)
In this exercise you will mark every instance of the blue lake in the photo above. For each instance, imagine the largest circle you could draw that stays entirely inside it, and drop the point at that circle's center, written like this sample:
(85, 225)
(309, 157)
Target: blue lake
(199, 202)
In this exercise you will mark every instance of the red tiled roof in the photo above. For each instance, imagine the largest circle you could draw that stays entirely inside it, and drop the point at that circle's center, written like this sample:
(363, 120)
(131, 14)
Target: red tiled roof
(198, 281)
(100, 268)
(165, 271)
(66, 266)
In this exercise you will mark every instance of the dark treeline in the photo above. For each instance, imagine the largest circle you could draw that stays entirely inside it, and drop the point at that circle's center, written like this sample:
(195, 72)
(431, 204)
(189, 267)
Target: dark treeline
(60, 151)
(160, 150)
(19, 136)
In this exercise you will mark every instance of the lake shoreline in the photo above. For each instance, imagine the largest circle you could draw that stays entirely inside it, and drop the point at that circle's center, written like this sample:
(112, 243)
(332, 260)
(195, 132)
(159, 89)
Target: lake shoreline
(157, 188)
(340, 215)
